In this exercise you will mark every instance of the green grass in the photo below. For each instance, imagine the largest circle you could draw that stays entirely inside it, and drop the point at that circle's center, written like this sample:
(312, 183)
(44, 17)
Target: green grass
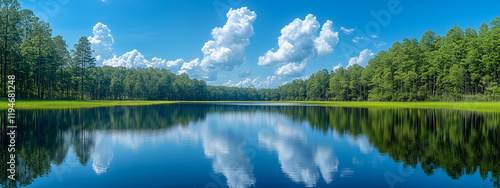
(76, 104)
(477, 106)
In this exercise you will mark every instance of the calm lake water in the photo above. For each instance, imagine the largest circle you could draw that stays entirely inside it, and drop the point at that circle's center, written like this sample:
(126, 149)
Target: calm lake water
(241, 145)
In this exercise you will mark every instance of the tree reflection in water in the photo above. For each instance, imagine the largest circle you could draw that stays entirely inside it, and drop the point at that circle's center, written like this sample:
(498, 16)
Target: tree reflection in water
(459, 142)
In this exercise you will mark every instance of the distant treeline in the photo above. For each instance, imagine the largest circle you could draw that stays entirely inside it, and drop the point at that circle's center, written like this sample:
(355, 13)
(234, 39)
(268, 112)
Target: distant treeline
(460, 66)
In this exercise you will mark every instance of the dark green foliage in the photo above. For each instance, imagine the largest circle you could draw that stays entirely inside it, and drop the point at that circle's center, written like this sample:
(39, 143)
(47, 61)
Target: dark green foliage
(461, 66)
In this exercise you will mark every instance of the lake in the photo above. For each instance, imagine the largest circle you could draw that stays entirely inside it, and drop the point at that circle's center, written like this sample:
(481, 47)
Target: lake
(254, 145)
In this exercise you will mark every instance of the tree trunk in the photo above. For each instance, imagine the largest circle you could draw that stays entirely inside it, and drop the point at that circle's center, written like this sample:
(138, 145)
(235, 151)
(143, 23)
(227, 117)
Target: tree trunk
(83, 73)
(39, 63)
(5, 54)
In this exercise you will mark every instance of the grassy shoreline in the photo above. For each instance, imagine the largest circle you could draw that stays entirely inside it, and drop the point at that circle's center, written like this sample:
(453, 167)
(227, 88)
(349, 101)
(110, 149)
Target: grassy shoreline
(478, 106)
(76, 104)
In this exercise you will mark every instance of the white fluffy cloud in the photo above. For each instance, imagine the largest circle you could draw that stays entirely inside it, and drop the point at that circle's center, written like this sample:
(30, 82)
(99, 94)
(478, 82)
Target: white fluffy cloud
(362, 59)
(174, 66)
(102, 43)
(291, 69)
(224, 52)
(196, 69)
(134, 58)
(259, 82)
(227, 48)
(346, 31)
(270, 80)
(298, 42)
(130, 59)
(337, 67)
(244, 83)
(326, 40)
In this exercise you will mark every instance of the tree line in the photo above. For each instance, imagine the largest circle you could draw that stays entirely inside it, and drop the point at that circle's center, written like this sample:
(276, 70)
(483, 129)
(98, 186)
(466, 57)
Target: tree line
(460, 66)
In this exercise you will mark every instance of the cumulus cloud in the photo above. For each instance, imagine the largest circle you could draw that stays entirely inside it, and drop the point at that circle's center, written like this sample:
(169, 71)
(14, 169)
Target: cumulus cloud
(224, 52)
(291, 70)
(130, 59)
(196, 69)
(270, 80)
(174, 66)
(134, 58)
(257, 82)
(244, 83)
(227, 49)
(326, 40)
(102, 43)
(346, 31)
(337, 67)
(362, 59)
(298, 42)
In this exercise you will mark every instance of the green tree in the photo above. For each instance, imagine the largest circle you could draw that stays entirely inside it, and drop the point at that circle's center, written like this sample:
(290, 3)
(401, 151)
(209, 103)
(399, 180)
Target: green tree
(82, 56)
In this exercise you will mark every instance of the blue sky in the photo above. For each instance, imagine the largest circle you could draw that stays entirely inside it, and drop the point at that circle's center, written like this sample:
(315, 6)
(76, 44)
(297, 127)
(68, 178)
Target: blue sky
(169, 30)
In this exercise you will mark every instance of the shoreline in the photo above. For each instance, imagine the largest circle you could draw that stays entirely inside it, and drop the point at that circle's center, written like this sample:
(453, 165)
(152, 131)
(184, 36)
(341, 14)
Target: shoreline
(475, 106)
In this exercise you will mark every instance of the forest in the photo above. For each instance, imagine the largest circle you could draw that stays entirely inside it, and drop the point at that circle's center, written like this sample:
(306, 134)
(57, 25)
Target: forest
(462, 65)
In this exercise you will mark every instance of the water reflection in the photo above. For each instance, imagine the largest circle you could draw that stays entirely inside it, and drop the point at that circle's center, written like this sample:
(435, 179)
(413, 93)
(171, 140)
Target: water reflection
(361, 142)
(103, 154)
(298, 155)
(457, 142)
(225, 146)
